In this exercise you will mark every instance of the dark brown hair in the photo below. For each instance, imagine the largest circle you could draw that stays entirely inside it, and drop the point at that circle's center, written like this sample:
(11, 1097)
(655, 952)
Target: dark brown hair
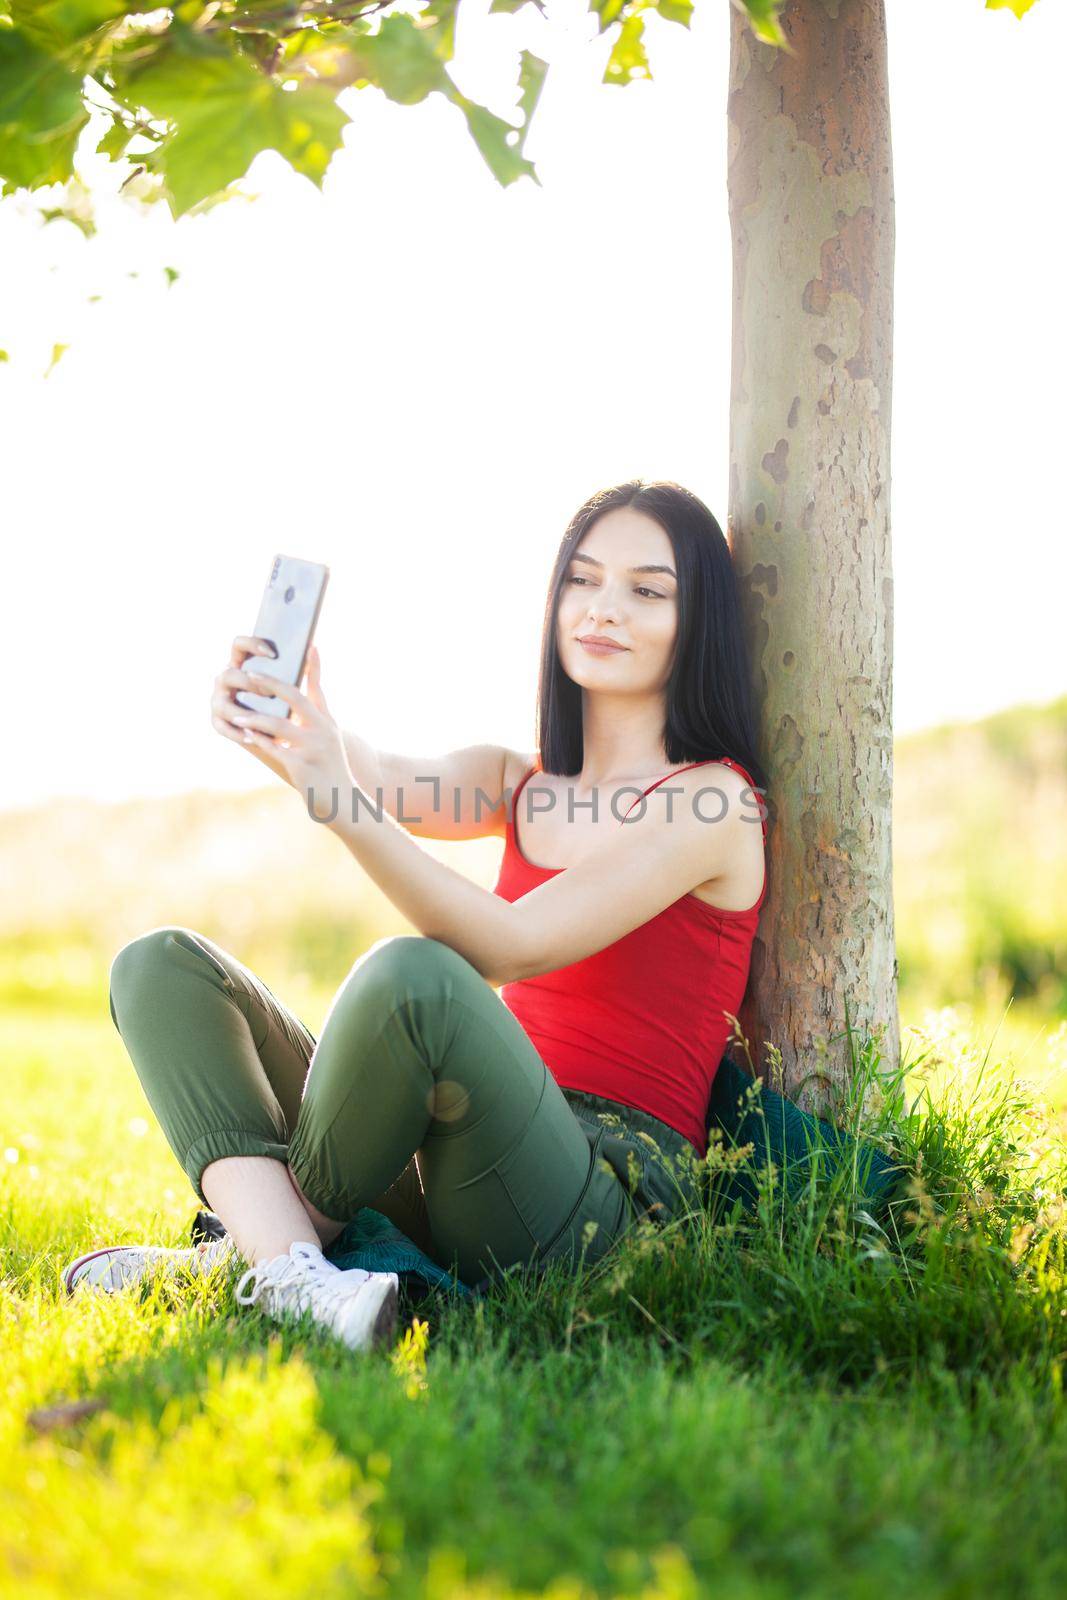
(709, 701)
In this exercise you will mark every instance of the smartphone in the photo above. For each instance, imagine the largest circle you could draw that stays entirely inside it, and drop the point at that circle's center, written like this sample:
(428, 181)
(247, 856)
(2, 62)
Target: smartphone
(288, 613)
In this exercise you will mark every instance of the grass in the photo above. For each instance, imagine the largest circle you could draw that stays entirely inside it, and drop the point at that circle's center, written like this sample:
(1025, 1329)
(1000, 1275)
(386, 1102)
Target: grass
(814, 1399)
(809, 1399)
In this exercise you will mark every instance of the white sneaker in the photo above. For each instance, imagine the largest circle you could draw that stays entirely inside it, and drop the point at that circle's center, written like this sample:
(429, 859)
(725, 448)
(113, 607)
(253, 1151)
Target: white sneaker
(118, 1266)
(357, 1307)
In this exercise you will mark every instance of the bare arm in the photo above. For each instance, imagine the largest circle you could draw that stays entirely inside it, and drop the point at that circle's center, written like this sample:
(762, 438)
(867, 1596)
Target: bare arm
(313, 755)
(637, 872)
(459, 795)
(632, 876)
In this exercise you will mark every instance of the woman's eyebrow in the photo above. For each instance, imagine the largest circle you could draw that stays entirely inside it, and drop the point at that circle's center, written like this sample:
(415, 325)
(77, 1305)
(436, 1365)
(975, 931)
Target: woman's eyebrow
(595, 563)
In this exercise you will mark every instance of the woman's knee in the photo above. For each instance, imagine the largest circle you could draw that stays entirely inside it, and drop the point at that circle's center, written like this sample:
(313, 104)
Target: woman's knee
(148, 957)
(391, 977)
(405, 964)
(386, 980)
(147, 951)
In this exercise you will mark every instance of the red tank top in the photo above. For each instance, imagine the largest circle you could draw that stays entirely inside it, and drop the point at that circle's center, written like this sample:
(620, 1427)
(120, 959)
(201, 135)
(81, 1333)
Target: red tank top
(642, 1021)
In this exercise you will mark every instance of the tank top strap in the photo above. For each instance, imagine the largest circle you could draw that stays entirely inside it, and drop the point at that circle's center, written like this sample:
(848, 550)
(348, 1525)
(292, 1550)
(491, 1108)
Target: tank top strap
(727, 761)
(519, 788)
(658, 781)
(708, 761)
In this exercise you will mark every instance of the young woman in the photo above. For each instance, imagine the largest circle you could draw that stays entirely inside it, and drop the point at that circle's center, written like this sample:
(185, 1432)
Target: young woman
(537, 1122)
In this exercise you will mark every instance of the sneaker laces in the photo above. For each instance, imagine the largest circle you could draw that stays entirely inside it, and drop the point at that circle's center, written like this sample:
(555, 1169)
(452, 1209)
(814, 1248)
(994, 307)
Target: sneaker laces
(304, 1265)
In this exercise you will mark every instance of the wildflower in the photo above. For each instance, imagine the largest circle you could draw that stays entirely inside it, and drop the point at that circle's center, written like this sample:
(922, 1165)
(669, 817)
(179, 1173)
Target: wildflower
(409, 1359)
(1020, 1240)
(874, 1100)
(737, 1037)
(610, 1119)
(777, 1074)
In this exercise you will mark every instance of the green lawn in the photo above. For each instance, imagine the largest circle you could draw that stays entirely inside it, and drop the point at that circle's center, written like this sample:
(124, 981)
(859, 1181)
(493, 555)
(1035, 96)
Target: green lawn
(807, 1401)
(793, 1403)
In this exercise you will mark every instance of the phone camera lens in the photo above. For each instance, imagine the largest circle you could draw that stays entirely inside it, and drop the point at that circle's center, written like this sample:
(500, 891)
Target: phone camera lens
(290, 594)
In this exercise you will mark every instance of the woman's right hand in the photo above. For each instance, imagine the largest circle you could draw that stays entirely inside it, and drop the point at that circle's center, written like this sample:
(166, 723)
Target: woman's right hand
(223, 704)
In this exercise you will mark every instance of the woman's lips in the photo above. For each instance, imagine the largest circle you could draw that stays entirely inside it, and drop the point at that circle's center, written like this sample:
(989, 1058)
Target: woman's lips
(601, 649)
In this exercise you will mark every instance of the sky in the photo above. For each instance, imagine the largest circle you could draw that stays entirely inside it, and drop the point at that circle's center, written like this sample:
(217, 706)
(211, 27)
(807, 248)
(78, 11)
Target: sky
(416, 376)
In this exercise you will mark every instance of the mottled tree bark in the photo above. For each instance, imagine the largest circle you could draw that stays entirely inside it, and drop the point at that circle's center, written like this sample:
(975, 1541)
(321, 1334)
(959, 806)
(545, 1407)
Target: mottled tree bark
(811, 208)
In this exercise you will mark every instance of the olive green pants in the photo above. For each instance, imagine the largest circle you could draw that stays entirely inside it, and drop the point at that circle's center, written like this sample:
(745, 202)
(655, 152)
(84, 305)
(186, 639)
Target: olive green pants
(424, 1098)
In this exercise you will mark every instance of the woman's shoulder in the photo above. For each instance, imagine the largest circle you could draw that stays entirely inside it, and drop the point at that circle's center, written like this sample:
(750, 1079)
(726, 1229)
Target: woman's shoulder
(718, 772)
(732, 780)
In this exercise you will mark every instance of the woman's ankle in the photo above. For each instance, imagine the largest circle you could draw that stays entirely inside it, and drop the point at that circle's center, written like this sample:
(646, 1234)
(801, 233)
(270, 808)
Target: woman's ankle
(257, 1204)
(327, 1229)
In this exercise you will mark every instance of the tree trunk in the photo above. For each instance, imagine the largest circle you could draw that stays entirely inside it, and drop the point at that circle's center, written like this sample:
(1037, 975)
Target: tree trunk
(811, 210)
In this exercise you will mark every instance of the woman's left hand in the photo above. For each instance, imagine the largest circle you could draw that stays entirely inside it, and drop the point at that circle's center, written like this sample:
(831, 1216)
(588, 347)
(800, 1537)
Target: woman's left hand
(308, 744)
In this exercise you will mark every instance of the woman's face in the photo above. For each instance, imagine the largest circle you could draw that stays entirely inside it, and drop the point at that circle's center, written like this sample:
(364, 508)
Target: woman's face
(605, 592)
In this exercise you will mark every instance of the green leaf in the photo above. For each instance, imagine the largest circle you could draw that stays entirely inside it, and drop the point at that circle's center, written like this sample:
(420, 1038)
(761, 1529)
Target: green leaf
(116, 139)
(224, 112)
(442, 13)
(763, 18)
(517, 5)
(404, 60)
(676, 11)
(37, 161)
(607, 11)
(75, 213)
(37, 93)
(629, 13)
(323, 53)
(59, 23)
(1020, 7)
(499, 142)
(532, 72)
(628, 59)
(41, 115)
(58, 352)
